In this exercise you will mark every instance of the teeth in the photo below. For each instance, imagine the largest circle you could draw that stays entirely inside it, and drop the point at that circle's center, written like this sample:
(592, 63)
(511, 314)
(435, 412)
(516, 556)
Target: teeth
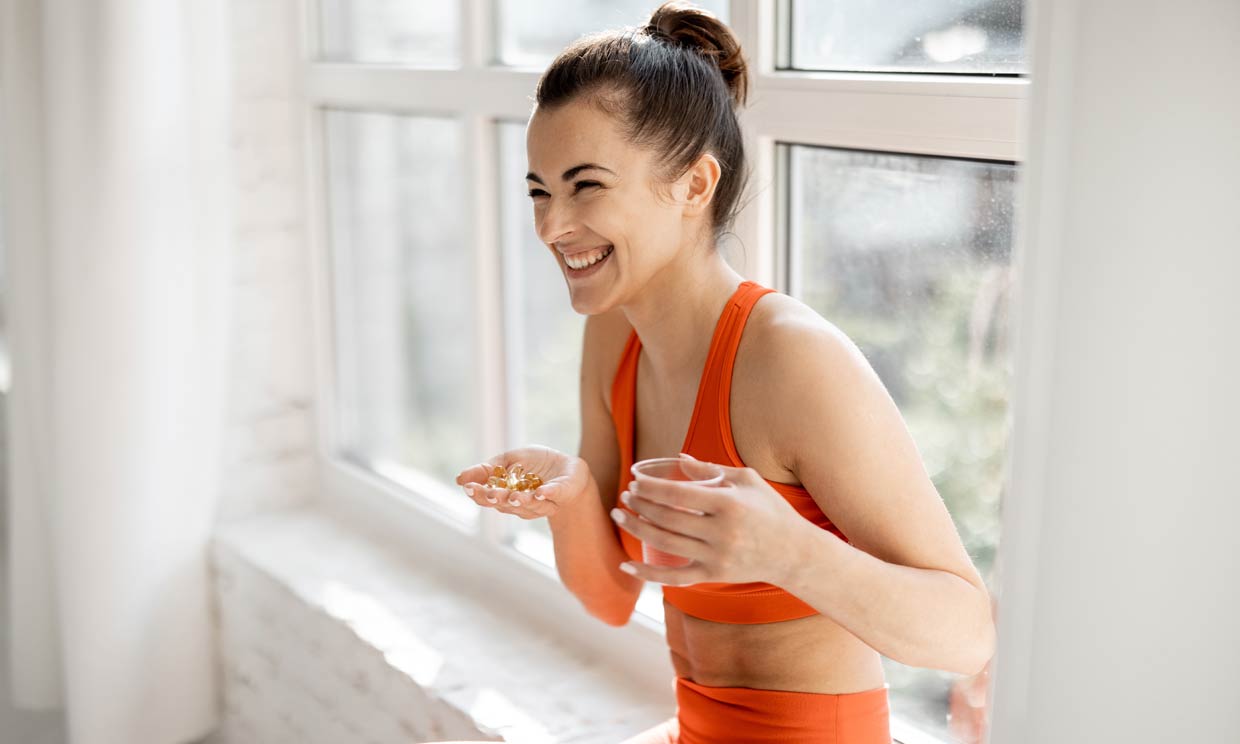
(592, 258)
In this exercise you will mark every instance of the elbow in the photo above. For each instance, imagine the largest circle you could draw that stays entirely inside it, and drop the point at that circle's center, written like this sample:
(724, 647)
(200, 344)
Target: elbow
(613, 610)
(618, 621)
(979, 651)
(616, 617)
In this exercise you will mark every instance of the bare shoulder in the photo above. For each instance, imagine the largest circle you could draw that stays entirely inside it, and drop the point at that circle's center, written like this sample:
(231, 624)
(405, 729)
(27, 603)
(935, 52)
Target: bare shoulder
(794, 342)
(793, 353)
(602, 347)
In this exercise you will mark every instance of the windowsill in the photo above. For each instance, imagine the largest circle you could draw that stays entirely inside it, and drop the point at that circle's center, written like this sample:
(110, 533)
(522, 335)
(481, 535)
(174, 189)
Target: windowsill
(516, 680)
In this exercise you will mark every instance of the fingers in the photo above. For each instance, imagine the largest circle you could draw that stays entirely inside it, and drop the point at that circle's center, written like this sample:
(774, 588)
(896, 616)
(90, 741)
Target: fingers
(684, 576)
(475, 473)
(680, 494)
(688, 523)
(484, 495)
(658, 537)
(527, 504)
(523, 504)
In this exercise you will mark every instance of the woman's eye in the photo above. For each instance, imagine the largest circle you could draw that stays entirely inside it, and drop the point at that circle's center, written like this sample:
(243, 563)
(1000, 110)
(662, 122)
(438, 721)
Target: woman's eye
(535, 193)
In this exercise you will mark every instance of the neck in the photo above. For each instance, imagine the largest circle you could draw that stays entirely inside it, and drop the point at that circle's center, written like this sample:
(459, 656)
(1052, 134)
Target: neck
(675, 314)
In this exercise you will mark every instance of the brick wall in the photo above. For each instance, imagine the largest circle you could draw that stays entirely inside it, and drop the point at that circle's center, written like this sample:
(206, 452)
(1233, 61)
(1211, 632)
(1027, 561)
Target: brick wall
(270, 440)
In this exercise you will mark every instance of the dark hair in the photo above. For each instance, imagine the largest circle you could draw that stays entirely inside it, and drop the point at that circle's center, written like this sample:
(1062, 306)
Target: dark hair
(673, 84)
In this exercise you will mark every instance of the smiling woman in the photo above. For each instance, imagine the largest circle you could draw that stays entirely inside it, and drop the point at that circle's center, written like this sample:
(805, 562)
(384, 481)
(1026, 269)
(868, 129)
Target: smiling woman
(826, 546)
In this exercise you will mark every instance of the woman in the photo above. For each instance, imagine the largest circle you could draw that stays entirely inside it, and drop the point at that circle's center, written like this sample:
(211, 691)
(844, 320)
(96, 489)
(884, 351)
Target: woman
(827, 544)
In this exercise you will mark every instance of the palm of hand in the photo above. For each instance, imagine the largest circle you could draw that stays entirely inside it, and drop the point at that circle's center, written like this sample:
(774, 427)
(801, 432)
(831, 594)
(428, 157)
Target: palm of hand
(563, 476)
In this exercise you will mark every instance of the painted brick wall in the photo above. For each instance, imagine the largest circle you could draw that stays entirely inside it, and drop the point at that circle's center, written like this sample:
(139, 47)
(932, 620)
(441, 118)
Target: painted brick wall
(270, 443)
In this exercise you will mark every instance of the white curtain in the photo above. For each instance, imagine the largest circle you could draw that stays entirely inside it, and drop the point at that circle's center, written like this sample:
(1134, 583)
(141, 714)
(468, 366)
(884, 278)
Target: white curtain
(115, 149)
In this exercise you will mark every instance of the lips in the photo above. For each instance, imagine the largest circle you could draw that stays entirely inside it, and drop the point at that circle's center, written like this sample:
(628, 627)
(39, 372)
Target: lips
(599, 257)
(591, 269)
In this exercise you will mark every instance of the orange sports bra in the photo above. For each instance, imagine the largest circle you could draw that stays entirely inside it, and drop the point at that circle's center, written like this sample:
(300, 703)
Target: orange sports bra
(710, 438)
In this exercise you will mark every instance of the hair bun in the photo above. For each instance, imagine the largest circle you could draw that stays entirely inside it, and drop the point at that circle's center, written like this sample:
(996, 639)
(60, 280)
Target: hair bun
(687, 25)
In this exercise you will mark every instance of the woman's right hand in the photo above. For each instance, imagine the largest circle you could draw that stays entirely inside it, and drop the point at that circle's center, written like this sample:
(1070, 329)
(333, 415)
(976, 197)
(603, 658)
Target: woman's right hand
(564, 478)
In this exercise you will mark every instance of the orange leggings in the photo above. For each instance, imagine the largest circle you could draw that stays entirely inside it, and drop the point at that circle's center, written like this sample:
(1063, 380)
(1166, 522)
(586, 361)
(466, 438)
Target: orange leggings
(732, 715)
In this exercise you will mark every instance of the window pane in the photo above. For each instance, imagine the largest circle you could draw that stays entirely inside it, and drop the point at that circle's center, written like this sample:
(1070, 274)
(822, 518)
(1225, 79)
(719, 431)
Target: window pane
(911, 257)
(542, 334)
(532, 32)
(966, 36)
(405, 370)
(411, 32)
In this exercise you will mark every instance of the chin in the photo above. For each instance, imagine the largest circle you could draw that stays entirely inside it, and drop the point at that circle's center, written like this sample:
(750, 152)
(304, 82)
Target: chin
(588, 306)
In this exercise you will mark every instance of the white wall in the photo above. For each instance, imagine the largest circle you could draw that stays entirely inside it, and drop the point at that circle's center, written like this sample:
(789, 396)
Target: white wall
(272, 413)
(1119, 615)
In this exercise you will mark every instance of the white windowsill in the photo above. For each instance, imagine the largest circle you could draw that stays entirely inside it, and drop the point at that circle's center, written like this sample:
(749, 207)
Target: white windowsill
(512, 679)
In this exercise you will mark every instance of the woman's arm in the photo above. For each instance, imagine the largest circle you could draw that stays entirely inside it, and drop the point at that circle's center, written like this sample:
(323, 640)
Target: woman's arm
(588, 555)
(923, 617)
(588, 552)
(906, 586)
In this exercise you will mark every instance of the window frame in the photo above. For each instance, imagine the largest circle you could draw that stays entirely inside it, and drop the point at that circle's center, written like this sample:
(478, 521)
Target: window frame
(949, 115)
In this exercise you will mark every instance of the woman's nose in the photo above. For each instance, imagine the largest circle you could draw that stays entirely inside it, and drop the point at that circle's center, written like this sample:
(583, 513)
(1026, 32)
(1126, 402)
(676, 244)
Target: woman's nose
(556, 223)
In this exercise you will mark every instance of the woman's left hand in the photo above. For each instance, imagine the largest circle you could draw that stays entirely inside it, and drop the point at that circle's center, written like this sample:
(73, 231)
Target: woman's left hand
(744, 533)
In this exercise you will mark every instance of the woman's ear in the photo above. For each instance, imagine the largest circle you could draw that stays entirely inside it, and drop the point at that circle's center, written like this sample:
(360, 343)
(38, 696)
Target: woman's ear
(701, 180)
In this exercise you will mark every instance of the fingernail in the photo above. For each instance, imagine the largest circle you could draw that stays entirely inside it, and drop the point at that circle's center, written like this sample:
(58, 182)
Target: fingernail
(628, 569)
(686, 454)
(514, 502)
(540, 497)
(469, 490)
(624, 498)
(492, 499)
(617, 515)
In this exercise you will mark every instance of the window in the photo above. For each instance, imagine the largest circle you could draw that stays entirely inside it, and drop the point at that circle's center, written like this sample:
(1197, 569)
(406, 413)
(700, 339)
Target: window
(532, 32)
(404, 396)
(413, 32)
(963, 36)
(885, 145)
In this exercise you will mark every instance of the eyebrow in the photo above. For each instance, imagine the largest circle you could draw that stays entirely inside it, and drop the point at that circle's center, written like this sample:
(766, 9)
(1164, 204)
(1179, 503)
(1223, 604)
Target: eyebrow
(568, 174)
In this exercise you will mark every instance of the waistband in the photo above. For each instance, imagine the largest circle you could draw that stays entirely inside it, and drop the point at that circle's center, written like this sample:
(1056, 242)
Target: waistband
(747, 715)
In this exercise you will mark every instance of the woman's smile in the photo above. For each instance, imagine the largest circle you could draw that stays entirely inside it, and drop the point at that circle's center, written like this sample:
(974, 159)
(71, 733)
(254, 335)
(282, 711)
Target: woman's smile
(589, 263)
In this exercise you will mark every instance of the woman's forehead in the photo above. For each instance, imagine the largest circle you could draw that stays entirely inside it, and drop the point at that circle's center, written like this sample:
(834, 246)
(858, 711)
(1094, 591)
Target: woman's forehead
(574, 134)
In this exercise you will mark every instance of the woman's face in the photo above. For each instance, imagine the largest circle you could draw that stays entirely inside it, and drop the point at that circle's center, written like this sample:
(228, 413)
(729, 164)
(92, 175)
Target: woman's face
(614, 208)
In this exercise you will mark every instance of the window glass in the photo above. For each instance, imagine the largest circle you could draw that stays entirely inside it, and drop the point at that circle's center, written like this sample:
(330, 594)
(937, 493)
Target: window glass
(532, 32)
(910, 256)
(412, 32)
(405, 368)
(965, 36)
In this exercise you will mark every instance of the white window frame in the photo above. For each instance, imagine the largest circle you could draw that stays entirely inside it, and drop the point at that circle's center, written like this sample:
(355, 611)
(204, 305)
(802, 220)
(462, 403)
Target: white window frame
(924, 114)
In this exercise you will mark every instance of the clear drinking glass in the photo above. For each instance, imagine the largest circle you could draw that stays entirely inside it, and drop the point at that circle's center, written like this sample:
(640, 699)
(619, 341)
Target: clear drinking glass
(672, 468)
